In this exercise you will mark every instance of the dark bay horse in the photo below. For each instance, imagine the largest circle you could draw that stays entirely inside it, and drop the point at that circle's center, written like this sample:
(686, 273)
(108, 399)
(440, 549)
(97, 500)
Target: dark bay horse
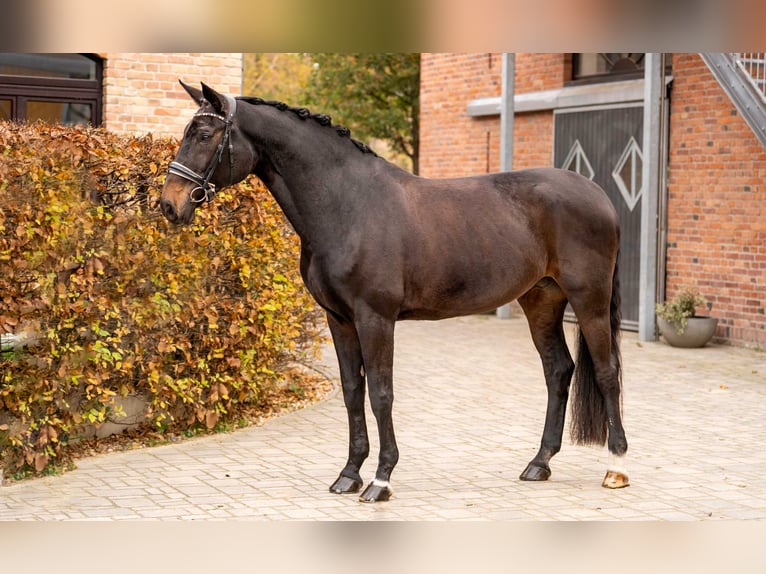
(379, 245)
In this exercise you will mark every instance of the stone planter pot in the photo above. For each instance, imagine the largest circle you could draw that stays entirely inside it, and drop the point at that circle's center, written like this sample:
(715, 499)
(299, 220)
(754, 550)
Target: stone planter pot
(699, 330)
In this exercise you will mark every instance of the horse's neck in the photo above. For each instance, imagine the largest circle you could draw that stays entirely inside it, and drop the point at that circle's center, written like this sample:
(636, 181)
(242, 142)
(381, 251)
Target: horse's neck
(298, 216)
(319, 187)
(320, 212)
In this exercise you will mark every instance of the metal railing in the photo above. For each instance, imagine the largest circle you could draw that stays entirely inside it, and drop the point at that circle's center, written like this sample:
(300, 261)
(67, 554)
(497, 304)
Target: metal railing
(743, 77)
(753, 64)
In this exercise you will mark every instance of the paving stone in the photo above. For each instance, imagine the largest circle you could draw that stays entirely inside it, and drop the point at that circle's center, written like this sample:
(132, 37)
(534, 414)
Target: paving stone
(469, 411)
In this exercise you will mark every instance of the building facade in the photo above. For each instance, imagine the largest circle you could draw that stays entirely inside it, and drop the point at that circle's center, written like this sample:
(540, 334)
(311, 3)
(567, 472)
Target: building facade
(585, 112)
(133, 93)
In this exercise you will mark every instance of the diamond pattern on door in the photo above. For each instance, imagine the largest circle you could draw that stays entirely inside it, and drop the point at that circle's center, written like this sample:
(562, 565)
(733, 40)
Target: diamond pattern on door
(627, 173)
(602, 134)
(577, 161)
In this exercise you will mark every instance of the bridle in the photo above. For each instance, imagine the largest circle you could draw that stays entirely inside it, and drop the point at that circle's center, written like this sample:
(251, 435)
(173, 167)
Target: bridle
(205, 191)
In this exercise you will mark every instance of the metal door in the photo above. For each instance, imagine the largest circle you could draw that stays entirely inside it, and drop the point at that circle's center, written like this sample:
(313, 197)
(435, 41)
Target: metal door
(604, 144)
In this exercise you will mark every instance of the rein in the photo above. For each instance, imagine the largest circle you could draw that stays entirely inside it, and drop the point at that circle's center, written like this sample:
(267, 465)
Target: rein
(205, 191)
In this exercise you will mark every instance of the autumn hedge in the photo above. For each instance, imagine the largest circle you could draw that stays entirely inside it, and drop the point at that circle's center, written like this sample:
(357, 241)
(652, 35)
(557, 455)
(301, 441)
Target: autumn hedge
(197, 320)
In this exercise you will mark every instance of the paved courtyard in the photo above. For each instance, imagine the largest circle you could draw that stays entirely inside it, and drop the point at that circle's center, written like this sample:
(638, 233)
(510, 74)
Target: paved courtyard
(469, 408)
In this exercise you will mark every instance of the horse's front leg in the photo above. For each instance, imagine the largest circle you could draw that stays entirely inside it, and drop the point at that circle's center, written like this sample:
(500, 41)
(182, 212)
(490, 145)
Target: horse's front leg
(376, 335)
(346, 342)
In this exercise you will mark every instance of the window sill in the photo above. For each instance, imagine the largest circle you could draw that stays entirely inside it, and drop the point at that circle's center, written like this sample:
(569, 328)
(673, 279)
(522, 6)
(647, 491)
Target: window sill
(567, 97)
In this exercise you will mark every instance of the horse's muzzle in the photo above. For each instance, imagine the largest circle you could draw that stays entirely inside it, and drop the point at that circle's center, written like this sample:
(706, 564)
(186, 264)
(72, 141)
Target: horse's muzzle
(174, 214)
(168, 210)
(175, 204)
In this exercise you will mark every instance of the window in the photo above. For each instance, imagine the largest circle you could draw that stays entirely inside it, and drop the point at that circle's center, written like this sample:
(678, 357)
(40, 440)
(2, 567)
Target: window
(600, 67)
(56, 88)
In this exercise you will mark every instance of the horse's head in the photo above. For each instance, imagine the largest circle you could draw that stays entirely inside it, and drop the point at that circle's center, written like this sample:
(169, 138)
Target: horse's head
(213, 154)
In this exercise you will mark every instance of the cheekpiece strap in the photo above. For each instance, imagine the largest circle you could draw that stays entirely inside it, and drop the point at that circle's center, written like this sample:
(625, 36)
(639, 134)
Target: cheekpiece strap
(204, 186)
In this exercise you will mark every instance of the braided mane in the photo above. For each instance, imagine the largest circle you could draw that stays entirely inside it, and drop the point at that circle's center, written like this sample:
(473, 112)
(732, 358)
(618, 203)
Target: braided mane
(306, 114)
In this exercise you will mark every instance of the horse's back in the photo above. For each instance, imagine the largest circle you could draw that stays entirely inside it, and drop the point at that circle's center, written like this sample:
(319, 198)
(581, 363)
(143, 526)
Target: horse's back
(557, 190)
(521, 190)
(525, 207)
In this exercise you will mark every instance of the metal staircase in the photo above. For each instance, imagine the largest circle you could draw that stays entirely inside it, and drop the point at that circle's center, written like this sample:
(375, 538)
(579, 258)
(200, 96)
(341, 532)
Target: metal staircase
(742, 75)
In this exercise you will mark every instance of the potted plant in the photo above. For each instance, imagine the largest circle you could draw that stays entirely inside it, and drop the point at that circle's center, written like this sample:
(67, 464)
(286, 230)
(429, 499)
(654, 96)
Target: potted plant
(679, 323)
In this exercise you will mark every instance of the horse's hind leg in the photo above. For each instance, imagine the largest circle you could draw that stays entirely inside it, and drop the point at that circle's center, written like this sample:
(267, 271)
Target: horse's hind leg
(596, 412)
(349, 353)
(603, 368)
(544, 307)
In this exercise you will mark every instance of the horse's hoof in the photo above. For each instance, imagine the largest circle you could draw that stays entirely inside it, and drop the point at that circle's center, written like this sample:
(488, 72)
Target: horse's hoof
(536, 473)
(614, 479)
(376, 492)
(346, 485)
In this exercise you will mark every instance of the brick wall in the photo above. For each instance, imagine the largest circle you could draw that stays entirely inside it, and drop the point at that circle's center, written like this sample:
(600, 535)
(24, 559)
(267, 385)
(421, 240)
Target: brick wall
(716, 204)
(142, 94)
(533, 132)
(452, 143)
(537, 72)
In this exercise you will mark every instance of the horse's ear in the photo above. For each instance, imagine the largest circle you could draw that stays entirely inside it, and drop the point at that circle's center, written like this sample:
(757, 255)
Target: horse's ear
(195, 93)
(216, 100)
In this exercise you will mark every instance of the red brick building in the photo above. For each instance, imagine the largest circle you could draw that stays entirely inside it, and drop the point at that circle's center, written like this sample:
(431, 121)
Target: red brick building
(712, 214)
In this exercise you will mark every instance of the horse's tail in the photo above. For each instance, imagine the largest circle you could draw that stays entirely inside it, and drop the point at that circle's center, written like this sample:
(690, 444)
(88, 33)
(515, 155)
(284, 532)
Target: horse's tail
(589, 418)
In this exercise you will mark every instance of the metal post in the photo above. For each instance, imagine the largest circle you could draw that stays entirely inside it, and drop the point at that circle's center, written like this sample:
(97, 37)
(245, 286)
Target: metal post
(506, 134)
(506, 112)
(654, 101)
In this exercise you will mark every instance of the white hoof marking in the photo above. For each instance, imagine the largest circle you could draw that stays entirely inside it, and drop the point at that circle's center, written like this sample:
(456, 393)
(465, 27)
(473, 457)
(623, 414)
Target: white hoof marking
(617, 464)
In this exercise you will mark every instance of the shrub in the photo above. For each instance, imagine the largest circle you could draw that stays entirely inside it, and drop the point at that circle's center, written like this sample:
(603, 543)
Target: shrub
(197, 320)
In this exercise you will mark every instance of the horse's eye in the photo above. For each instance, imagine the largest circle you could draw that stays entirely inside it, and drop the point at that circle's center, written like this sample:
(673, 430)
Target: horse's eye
(204, 137)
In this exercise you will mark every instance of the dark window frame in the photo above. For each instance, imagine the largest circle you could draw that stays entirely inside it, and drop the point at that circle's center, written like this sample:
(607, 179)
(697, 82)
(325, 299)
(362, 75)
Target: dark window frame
(612, 76)
(21, 89)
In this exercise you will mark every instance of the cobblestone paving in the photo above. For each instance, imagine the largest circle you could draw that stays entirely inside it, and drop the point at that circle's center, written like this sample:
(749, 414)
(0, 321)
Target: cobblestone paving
(469, 409)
